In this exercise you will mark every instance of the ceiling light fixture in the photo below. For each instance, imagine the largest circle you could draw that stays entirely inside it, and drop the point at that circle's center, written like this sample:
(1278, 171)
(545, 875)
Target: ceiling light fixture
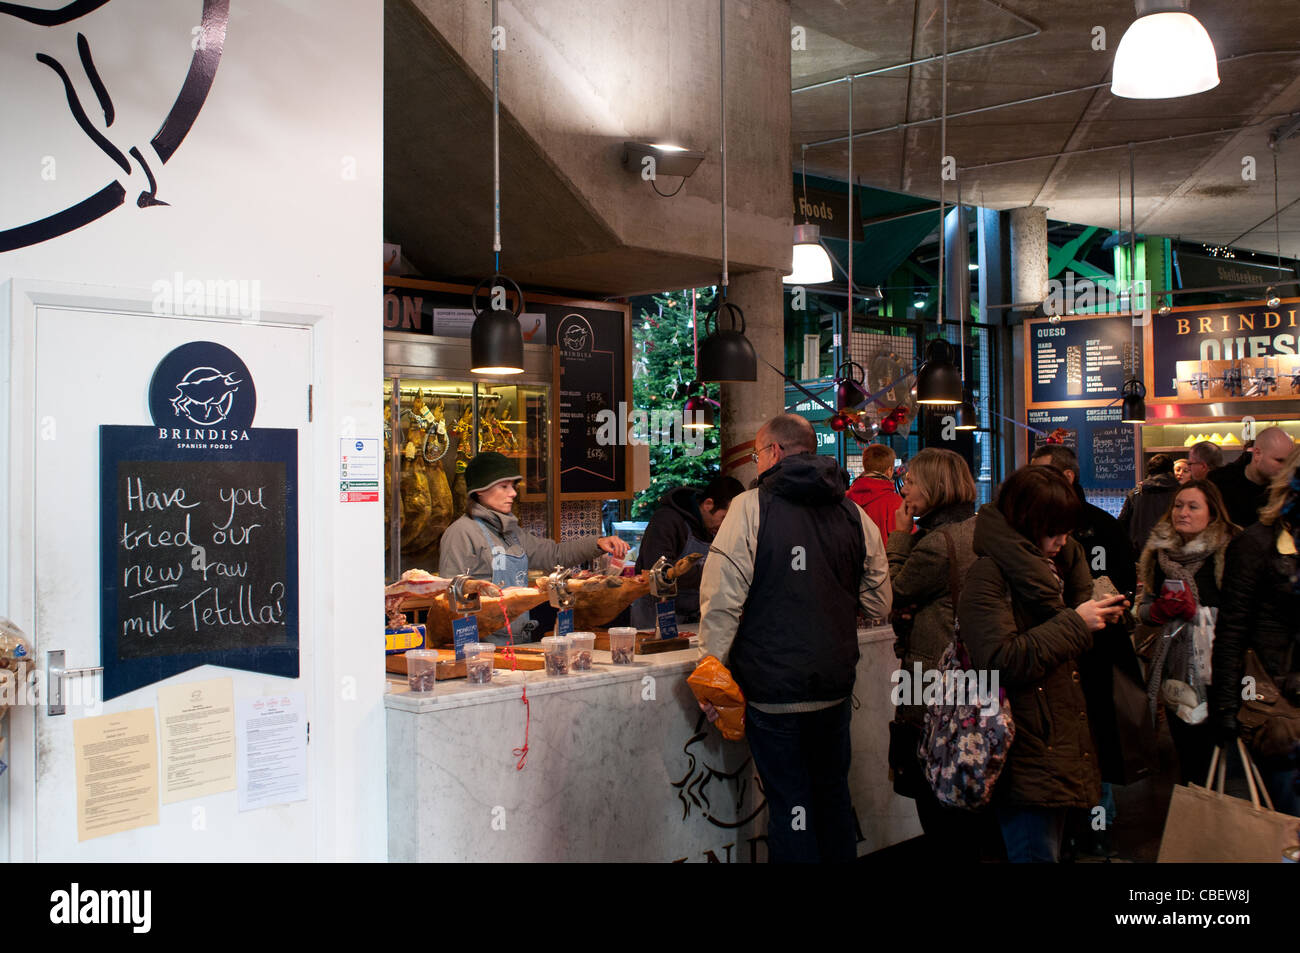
(811, 265)
(1135, 407)
(496, 341)
(1273, 300)
(967, 418)
(849, 392)
(725, 355)
(699, 410)
(665, 159)
(1165, 53)
(937, 383)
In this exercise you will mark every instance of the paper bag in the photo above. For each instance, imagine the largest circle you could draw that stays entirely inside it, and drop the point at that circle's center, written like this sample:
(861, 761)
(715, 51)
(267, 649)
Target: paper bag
(1206, 826)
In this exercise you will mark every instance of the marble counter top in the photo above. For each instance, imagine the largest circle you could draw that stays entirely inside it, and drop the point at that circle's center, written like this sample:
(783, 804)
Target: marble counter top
(505, 685)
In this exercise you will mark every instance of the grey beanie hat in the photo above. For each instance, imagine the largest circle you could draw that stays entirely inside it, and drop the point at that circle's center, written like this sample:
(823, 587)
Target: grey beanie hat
(488, 468)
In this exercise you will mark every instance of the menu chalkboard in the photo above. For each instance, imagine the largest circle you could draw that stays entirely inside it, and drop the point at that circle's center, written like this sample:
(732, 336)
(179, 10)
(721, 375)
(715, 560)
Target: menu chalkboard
(1106, 447)
(592, 385)
(199, 552)
(1079, 359)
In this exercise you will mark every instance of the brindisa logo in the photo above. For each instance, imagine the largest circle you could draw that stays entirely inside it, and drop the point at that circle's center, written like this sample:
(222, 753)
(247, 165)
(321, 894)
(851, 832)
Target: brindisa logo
(575, 333)
(205, 384)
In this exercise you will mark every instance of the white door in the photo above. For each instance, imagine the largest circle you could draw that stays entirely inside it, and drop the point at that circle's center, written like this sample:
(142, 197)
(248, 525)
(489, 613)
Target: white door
(93, 367)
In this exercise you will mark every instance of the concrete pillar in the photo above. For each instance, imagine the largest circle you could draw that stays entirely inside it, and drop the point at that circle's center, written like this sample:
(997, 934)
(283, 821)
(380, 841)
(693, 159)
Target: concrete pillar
(1029, 255)
(745, 407)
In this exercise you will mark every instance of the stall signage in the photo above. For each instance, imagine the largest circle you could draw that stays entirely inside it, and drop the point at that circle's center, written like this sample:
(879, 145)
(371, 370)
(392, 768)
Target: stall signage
(591, 388)
(198, 529)
(464, 631)
(564, 622)
(1106, 446)
(666, 618)
(1078, 359)
(797, 402)
(1219, 352)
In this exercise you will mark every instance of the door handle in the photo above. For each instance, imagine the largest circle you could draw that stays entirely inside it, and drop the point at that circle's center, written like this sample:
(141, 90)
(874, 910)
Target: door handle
(57, 672)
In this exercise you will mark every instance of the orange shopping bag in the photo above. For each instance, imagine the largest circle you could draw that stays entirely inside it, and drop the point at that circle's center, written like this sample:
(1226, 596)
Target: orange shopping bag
(712, 682)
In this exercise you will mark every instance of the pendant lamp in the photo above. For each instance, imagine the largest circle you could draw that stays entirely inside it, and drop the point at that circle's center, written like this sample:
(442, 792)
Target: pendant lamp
(1135, 406)
(812, 266)
(849, 392)
(496, 341)
(726, 355)
(1165, 53)
(967, 418)
(938, 382)
(698, 412)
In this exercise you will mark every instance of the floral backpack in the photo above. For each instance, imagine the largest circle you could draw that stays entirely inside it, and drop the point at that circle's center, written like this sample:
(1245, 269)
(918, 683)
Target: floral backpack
(965, 740)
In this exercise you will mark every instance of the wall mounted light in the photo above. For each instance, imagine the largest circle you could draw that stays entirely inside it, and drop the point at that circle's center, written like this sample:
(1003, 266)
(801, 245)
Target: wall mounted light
(1165, 53)
(666, 158)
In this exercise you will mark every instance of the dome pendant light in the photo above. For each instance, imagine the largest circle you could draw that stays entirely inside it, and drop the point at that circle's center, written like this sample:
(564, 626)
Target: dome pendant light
(812, 266)
(967, 418)
(849, 392)
(938, 382)
(1165, 53)
(496, 341)
(726, 355)
(1135, 405)
(698, 413)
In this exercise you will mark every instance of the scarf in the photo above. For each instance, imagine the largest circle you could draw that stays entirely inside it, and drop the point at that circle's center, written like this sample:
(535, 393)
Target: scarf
(1182, 559)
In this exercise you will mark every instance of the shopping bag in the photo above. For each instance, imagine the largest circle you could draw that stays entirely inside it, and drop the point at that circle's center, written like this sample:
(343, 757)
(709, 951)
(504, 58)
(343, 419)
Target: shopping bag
(1204, 825)
(1135, 733)
(712, 682)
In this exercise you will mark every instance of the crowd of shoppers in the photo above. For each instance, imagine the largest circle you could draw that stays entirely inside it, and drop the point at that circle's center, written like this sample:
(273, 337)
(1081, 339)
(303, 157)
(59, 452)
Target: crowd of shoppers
(1206, 562)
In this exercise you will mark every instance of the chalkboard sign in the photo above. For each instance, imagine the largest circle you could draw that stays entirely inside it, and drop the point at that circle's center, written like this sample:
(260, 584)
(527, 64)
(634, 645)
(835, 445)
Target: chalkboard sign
(199, 554)
(592, 386)
(1080, 359)
(1106, 447)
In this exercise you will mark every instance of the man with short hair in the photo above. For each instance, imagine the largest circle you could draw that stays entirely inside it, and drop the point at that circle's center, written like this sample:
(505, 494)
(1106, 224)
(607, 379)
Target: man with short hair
(1203, 459)
(1146, 504)
(874, 490)
(790, 567)
(1245, 487)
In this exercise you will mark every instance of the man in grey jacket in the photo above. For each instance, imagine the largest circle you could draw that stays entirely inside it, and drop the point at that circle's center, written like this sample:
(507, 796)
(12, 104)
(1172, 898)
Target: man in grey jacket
(790, 567)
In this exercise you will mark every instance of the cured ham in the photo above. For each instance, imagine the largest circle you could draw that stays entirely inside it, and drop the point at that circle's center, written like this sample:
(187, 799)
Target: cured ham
(600, 598)
(421, 590)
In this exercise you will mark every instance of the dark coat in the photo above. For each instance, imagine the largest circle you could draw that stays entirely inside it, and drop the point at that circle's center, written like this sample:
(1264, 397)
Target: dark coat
(919, 574)
(1259, 610)
(674, 522)
(1144, 507)
(1014, 618)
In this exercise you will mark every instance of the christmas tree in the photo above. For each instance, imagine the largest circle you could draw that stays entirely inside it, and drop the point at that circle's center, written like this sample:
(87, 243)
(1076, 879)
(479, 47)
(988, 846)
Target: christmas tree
(663, 364)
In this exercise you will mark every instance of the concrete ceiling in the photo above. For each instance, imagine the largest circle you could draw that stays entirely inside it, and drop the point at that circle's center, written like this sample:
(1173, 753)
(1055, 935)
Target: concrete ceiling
(1190, 187)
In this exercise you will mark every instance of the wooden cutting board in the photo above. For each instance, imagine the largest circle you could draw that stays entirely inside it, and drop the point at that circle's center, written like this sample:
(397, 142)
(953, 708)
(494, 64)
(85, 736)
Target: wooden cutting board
(646, 643)
(449, 667)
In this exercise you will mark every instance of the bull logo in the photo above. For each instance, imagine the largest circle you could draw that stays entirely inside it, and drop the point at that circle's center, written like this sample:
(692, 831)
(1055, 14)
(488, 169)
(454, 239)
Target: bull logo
(204, 396)
(734, 802)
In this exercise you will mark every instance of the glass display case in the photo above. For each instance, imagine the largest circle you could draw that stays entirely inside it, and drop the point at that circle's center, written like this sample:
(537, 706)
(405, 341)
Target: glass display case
(432, 429)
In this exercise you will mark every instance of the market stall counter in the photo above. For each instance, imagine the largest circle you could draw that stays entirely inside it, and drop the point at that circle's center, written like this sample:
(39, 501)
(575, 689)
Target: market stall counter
(621, 766)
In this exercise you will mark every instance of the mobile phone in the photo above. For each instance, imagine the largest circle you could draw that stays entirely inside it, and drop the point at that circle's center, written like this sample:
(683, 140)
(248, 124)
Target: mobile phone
(1174, 585)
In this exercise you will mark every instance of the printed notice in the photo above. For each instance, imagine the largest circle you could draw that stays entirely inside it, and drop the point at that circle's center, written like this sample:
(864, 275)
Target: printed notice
(272, 742)
(359, 470)
(198, 738)
(117, 773)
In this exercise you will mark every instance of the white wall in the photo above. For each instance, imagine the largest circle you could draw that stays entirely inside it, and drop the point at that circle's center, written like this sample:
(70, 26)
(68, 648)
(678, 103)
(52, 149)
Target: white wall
(278, 181)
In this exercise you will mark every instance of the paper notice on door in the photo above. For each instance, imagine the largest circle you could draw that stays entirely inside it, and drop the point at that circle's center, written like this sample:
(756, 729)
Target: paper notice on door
(117, 773)
(198, 738)
(271, 734)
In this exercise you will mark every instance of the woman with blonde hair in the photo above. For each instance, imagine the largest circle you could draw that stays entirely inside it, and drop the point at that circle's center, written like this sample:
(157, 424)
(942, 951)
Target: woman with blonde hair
(1260, 611)
(939, 494)
(1181, 572)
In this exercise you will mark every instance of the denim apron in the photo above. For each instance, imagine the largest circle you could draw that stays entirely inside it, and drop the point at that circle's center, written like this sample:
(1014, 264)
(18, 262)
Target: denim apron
(507, 570)
(643, 610)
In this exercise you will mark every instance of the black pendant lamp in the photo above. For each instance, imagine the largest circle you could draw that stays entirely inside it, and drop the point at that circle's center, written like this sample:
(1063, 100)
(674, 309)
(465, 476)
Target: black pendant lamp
(849, 392)
(967, 418)
(938, 382)
(726, 355)
(698, 412)
(1135, 405)
(496, 341)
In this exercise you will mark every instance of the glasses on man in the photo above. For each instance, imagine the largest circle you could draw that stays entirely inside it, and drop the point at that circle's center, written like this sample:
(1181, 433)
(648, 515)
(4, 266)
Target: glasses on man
(761, 450)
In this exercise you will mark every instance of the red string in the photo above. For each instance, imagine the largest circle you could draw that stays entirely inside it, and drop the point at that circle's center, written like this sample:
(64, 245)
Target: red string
(520, 753)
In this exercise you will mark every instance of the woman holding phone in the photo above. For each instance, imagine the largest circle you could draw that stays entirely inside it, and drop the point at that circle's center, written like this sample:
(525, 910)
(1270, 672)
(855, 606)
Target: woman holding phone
(1027, 612)
(1180, 572)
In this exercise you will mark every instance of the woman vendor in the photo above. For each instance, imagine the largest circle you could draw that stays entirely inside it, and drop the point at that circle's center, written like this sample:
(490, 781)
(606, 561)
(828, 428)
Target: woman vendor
(487, 542)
